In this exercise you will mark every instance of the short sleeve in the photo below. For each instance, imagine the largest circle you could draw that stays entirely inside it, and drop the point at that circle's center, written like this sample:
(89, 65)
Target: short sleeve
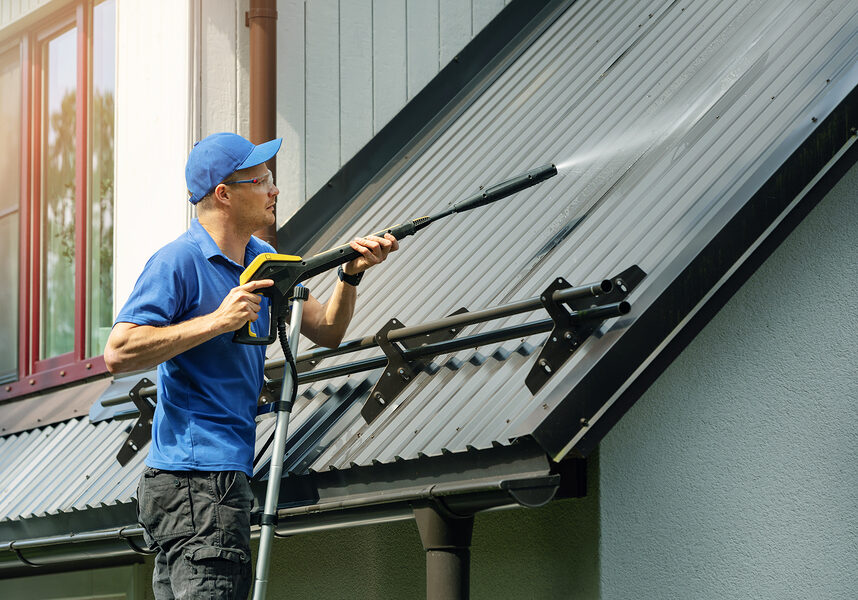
(158, 296)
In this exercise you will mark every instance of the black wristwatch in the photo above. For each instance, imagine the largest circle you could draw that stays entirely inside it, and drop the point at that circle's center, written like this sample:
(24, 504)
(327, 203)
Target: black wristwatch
(353, 280)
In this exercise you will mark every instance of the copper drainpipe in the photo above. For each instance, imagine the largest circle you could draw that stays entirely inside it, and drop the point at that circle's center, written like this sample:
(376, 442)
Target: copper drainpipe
(262, 21)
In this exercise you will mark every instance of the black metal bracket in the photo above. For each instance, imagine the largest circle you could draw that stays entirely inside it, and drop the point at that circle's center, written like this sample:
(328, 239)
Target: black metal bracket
(399, 371)
(571, 328)
(141, 432)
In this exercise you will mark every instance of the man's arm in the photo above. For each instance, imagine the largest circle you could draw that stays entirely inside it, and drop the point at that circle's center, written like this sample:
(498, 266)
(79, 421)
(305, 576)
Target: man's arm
(326, 324)
(131, 347)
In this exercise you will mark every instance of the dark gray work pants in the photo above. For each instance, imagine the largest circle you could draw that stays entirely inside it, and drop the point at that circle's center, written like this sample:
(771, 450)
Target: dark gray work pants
(200, 524)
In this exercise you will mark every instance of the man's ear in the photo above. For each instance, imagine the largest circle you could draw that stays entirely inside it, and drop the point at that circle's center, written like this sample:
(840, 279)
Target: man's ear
(222, 194)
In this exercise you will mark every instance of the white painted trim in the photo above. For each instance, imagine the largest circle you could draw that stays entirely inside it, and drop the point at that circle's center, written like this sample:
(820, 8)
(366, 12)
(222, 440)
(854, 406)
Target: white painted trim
(153, 127)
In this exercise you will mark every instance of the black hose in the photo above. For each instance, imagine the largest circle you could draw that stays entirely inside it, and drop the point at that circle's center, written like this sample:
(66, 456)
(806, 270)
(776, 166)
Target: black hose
(290, 360)
(287, 353)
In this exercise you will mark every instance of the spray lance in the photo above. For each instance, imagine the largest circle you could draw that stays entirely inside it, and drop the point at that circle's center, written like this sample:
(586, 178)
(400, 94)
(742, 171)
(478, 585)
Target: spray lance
(287, 271)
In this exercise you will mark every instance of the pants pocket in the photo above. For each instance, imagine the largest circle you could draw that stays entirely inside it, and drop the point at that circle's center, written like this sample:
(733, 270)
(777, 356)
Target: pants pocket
(231, 488)
(226, 557)
(164, 504)
(219, 572)
(233, 502)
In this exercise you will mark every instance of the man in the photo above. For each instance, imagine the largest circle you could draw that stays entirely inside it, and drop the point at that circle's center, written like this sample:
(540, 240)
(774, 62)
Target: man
(194, 497)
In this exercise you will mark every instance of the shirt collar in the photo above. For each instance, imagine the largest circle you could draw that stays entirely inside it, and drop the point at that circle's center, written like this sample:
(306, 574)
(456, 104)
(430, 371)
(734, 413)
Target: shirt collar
(209, 249)
(199, 234)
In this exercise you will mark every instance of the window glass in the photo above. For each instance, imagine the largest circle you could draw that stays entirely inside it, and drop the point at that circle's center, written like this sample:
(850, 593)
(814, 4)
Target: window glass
(100, 292)
(58, 196)
(10, 174)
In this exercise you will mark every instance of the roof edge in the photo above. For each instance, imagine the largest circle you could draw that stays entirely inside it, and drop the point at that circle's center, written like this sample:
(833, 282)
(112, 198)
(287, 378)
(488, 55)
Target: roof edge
(602, 397)
(517, 475)
(72, 522)
(323, 491)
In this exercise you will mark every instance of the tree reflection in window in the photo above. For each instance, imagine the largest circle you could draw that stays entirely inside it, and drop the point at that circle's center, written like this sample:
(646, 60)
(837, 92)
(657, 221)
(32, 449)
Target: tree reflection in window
(58, 206)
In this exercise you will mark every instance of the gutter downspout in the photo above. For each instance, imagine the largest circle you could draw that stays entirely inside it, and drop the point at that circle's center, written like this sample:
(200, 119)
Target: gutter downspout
(262, 21)
(446, 539)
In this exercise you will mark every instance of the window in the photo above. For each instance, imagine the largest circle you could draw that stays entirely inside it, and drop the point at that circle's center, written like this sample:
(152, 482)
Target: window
(10, 172)
(56, 230)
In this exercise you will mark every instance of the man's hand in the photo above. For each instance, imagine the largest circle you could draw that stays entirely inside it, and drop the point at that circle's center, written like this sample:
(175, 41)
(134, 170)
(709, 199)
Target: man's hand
(326, 324)
(131, 347)
(373, 251)
(240, 306)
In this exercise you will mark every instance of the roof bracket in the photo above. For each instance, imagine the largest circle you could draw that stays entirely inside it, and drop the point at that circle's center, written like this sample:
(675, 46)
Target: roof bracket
(572, 328)
(399, 371)
(141, 432)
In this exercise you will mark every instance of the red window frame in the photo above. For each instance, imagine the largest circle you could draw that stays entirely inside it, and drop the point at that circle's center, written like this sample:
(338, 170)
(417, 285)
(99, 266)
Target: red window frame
(36, 374)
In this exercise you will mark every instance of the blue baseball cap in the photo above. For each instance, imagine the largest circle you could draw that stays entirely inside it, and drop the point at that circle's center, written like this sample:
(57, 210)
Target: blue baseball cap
(216, 157)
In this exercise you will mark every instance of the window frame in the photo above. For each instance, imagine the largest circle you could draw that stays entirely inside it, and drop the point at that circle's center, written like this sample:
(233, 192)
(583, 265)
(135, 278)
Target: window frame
(34, 373)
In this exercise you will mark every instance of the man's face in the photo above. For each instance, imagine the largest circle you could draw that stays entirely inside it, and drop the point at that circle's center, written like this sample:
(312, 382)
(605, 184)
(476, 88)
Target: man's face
(255, 202)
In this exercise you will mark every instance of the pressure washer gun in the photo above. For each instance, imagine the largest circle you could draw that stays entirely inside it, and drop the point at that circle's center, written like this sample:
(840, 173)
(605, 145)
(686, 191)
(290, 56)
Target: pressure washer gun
(287, 271)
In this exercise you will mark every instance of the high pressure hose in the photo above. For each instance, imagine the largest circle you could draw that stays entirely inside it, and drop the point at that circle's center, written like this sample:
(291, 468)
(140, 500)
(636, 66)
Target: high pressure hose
(287, 353)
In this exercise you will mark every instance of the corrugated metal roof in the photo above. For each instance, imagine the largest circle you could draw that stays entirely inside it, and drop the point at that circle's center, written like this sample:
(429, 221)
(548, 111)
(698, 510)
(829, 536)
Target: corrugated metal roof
(443, 410)
(661, 112)
(659, 115)
(64, 468)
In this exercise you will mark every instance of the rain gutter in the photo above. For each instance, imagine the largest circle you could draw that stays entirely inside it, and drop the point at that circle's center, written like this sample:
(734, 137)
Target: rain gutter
(85, 550)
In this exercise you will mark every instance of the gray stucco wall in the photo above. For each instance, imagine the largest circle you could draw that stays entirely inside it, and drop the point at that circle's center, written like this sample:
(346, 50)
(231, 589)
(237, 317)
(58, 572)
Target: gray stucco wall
(736, 474)
(547, 553)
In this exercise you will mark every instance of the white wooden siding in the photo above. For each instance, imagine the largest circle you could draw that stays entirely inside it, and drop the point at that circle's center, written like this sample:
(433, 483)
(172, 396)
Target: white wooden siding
(356, 113)
(322, 88)
(224, 63)
(154, 108)
(346, 67)
(13, 10)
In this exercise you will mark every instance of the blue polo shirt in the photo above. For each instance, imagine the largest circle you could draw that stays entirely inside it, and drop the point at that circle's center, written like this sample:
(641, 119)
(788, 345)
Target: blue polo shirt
(204, 418)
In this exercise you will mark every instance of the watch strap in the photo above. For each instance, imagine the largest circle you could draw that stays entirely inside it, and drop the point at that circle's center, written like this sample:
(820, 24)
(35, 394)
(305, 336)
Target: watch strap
(352, 280)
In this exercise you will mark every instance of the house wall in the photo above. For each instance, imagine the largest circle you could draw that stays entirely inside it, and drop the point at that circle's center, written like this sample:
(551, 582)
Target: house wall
(113, 583)
(346, 68)
(736, 474)
(154, 117)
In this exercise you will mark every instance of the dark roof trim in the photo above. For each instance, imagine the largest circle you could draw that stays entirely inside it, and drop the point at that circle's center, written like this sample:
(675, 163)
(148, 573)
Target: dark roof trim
(74, 522)
(425, 117)
(405, 480)
(818, 161)
(49, 408)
